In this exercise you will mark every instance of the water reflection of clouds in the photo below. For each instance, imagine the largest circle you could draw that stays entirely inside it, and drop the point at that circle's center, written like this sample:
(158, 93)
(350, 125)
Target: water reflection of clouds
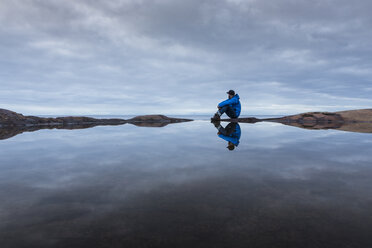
(283, 177)
(275, 135)
(156, 148)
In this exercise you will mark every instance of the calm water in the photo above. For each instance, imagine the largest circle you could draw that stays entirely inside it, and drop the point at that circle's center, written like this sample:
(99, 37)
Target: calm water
(179, 186)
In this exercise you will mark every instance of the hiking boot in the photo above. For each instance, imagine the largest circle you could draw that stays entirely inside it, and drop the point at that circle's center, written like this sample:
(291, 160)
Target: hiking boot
(215, 118)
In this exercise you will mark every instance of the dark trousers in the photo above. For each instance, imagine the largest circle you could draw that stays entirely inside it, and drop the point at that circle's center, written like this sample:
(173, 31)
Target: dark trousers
(228, 110)
(228, 130)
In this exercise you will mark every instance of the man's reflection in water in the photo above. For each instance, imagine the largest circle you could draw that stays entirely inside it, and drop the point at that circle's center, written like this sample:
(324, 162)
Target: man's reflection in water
(231, 133)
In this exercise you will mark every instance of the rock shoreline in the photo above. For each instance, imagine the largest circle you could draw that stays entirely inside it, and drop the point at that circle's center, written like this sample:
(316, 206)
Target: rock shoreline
(359, 120)
(12, 119)
(12, 123)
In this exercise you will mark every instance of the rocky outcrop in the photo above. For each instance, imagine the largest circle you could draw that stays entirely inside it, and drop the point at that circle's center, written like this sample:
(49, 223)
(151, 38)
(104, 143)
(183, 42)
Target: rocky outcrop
(314, 120)
(351, 120)
(360, 115)
(155, 119)
(12, 123)
(12, 119)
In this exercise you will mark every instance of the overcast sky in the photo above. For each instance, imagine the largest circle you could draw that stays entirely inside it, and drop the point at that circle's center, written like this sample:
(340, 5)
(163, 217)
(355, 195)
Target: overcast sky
(180, 57)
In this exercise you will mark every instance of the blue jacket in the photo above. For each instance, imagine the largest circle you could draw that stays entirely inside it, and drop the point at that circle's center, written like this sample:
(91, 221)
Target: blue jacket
(234, 103)
(233, 137)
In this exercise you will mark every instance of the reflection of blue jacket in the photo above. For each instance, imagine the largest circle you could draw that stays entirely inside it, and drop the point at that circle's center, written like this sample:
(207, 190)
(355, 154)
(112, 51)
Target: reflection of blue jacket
(233, 102)
(234, 136)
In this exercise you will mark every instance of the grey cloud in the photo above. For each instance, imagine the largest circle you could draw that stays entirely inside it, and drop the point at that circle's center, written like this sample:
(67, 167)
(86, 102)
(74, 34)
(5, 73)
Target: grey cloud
(181, 56)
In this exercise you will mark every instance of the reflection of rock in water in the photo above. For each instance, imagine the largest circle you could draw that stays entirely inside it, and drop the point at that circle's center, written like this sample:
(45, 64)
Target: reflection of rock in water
(349, 127)
(357, 127)
(8, 132)
(243, 120)
(150, 124)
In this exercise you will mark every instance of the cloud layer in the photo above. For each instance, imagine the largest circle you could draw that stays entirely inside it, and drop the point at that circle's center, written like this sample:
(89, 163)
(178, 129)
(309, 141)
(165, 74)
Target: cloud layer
(179, 57)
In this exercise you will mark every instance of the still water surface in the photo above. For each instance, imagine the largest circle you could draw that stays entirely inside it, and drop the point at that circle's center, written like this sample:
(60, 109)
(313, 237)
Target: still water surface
(179, 186)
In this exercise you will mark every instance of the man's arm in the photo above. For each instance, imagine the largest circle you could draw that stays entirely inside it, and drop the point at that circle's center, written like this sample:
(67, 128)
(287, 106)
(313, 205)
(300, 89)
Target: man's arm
(228, 102)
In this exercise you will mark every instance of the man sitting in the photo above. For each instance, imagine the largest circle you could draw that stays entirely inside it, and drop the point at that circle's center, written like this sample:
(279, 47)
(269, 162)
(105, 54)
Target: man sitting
(231, 107)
